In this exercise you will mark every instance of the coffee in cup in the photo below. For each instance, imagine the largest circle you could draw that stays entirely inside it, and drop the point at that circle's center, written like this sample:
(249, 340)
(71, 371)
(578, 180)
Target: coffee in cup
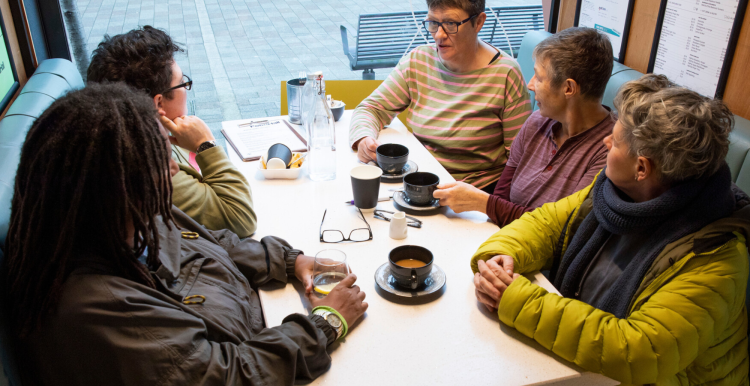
(419, 186)
(410, 265)
(392, 157)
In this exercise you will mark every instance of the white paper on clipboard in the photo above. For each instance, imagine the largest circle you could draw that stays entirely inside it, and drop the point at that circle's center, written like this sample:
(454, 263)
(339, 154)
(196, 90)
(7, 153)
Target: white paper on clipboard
(251, 139)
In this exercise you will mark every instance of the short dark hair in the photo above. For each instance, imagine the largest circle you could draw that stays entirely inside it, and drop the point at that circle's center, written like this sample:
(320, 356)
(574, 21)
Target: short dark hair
(142, 58)
(92, 163)
(472, 7)
(578, 53)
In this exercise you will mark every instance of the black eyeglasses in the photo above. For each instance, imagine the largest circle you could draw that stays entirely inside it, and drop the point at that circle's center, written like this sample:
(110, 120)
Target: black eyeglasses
(450, 27)
(336, 236)
(188, 84)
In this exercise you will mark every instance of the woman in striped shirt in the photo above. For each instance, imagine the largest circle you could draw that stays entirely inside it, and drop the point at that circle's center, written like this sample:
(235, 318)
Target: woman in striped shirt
(465, 99)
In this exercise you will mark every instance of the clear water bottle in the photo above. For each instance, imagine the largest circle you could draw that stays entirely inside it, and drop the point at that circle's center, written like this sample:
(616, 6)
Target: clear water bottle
(309, 93)
(321, 143)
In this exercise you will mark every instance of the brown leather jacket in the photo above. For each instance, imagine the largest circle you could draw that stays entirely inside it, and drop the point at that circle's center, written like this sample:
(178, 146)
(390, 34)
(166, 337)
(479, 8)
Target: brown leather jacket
(111, 331)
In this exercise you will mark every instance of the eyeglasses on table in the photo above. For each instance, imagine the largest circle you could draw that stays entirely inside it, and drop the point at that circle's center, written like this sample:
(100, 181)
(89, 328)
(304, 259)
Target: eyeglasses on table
(336, 236)
(388, 215)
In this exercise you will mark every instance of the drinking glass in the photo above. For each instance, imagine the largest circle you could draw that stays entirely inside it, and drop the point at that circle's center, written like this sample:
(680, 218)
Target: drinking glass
(329, 269)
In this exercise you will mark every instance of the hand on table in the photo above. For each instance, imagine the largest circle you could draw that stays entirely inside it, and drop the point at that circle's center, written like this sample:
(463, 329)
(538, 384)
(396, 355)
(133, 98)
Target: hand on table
(188, 132)
(366, 149)
(303, 270)
(345, 297)
(461, 197)
(493, 279)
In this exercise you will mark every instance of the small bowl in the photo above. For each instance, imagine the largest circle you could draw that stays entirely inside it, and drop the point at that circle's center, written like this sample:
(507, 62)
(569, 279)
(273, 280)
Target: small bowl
(338, 110)
(280, 174)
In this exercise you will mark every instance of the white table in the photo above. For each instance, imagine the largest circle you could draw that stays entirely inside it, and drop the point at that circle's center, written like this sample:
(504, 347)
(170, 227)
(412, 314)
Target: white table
(451, 340)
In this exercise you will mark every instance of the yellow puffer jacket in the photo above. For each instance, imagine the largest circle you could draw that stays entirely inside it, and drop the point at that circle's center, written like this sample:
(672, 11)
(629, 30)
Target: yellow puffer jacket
(687, 323)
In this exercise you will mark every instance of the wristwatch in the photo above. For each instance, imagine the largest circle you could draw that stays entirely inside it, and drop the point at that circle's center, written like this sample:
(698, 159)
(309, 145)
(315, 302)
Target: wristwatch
(205, 146)
(333, 321)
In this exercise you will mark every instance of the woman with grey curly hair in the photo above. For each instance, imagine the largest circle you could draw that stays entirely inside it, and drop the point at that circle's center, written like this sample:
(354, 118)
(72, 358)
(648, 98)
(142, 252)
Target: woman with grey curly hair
(651, 259)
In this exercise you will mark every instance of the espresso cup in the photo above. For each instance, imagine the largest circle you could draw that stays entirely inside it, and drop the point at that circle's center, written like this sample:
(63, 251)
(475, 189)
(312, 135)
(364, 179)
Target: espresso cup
(278, 156)
(392, 157)
(407, 277)
(419, 186)
(366, 186)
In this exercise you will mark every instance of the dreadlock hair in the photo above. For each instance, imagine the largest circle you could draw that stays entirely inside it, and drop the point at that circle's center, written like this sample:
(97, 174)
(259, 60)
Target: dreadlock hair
(93, 163)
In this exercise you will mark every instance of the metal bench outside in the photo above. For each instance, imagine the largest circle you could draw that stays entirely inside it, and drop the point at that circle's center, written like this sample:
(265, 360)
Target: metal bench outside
(382, 39)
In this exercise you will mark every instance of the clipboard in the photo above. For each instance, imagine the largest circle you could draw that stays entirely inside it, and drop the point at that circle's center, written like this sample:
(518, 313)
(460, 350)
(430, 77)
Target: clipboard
(252, 138)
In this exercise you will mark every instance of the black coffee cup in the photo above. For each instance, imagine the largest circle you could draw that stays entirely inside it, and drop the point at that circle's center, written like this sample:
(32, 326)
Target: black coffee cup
(392, 157)
(366, 186)
(281, 152)
(411, 278)
(419, 186)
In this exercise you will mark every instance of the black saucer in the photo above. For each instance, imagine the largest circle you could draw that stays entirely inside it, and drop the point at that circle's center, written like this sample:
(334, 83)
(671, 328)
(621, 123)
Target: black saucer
(410, 167)
(387, 282)
(402, 203)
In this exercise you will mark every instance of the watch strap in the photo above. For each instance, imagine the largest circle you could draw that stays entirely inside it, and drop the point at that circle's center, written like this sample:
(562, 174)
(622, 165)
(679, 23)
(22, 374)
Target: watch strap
(333, 311)
(205, 146)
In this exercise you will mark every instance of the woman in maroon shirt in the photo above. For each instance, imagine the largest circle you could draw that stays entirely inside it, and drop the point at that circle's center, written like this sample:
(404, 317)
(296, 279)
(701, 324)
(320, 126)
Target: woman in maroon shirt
(559, 149)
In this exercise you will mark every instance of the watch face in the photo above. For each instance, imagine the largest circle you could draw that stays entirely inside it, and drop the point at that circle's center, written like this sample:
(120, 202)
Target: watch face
(333, 320)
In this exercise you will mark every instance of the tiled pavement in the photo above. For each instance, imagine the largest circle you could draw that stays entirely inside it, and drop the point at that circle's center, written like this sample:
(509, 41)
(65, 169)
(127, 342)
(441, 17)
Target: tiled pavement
(238, 51)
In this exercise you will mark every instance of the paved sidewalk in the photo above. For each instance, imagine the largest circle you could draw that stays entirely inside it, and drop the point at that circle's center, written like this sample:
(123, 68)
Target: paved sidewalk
(238, 51)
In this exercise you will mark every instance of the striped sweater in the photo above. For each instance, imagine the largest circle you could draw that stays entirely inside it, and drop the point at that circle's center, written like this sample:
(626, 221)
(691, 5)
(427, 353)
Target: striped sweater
(467, 121)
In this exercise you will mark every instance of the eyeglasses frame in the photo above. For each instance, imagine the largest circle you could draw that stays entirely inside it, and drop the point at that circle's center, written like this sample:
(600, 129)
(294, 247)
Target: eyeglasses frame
(411, 221)
(188, 85)
(342, 233)
(440, 24)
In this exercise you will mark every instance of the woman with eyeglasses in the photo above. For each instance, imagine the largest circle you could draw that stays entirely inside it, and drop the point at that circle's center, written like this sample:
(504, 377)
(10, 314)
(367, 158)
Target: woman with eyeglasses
(465, 99)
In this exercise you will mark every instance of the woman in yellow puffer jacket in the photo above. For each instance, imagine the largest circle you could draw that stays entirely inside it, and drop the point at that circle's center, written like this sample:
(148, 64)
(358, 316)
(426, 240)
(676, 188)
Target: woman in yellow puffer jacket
(651, 259)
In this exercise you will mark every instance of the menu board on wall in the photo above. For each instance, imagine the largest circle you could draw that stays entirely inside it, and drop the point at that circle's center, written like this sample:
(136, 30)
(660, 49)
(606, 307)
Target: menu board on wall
(610, 17)
(694, 42)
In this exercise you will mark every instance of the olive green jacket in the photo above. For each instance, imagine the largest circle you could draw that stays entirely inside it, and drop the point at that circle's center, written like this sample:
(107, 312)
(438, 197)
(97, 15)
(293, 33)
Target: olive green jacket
(687, 322)
(218, 197)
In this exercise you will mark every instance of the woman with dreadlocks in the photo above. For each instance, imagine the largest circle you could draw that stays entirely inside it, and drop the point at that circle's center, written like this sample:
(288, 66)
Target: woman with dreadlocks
(108, 283)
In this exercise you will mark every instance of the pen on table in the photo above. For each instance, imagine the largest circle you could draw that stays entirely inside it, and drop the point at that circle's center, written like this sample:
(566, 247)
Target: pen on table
(381, 198)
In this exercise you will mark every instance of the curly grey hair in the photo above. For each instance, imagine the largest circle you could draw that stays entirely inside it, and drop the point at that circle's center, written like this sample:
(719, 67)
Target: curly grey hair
(685, 134)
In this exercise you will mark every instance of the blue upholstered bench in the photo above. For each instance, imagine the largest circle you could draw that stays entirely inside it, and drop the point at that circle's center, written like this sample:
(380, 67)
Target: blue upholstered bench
(52, 79)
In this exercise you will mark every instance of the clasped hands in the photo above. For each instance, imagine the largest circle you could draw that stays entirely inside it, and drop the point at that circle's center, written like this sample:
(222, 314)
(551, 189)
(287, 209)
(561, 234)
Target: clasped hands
(493, 278)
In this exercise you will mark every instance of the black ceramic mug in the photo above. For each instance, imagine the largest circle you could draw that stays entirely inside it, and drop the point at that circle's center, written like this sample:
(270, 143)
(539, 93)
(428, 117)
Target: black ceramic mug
(419, 186)
(392, 157)
(409, 277)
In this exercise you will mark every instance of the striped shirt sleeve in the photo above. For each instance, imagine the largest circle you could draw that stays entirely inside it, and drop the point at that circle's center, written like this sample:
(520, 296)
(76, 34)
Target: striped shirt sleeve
(385, 103)
(517, 107)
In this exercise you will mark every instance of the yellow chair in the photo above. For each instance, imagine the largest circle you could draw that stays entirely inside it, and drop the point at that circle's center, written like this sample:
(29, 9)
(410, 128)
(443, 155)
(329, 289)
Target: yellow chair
(351, 92)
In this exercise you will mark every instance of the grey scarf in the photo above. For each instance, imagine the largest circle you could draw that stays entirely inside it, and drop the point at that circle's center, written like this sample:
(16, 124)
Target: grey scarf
(683, 209)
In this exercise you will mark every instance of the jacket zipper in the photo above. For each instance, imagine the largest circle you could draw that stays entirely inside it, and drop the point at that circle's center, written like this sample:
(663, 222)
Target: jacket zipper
(588, 268)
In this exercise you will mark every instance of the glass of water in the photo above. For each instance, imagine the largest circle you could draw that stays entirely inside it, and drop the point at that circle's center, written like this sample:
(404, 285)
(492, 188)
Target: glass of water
(329, 269)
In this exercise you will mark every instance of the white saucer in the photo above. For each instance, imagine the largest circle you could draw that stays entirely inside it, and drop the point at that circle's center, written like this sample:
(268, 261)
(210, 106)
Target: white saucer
(387, 282)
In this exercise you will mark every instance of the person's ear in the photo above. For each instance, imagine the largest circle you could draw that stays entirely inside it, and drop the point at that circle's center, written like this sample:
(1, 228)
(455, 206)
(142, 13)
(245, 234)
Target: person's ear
(158, 103)
(480, 22)
(570, 88)
(644, 168)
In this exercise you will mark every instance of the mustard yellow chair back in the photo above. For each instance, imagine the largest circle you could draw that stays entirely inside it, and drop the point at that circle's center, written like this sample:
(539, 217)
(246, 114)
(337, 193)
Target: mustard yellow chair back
(351, 92)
